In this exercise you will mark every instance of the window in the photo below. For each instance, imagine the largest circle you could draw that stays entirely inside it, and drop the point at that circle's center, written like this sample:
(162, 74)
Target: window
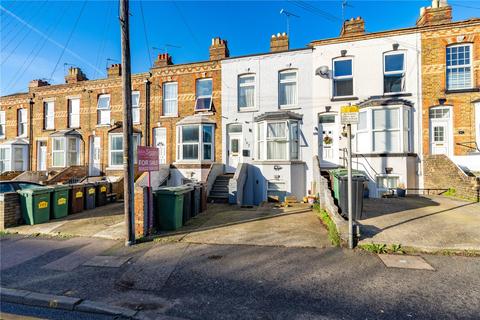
(342, 77)
(195, 142)
(246, 91)
(58, 152)
(2, 124)
(393, 72)
(18, 161)
(459, 67)
(281, 139)
(203, 95)
(362, 132)
(65, 151)
(385, 182)
(116, 149)
(103, 109)
(4, 159)
(287, 89)
(386, 130)
(49, 115)
(74, 113)
(170, 99)
(136, 107)
(439, 113)
(22, 122)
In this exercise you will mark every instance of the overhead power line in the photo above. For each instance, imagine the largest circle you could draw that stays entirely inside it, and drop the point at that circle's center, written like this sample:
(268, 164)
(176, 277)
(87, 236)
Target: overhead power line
(185, 22)
(145, 34)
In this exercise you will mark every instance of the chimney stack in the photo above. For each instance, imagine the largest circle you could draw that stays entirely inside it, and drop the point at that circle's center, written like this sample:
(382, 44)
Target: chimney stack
(163, 59)
(75, 75)
(439, 13)
(37, 83)
(115, 70)
(219, 49)
(279, 42)
(353, 27)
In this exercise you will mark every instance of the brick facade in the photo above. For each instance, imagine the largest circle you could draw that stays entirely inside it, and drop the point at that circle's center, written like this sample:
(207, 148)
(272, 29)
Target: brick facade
(10, 213)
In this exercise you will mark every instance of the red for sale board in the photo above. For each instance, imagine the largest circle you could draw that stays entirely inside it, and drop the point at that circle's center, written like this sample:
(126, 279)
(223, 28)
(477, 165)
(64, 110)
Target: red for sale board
(147, 159)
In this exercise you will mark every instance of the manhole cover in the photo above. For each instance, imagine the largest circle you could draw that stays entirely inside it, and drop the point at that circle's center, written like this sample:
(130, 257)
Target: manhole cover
(405, 262)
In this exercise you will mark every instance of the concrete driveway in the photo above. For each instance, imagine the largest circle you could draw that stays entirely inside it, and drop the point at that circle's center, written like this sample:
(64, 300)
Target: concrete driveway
(427, 223)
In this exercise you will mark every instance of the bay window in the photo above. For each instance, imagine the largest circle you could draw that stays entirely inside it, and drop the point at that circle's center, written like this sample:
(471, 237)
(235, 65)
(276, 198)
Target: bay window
(136, 107)
(49, 115)
(5, 159)
(115, 148)
(459, 67)
(393, 72)
(65, 151)
(22, 122)
(195, 142)
(74, 113)
(246, 91)
(343, 77)
(170, 99)
(203, 91)
(386, 130)
(287, 89)
(277, 140)
(103, 109)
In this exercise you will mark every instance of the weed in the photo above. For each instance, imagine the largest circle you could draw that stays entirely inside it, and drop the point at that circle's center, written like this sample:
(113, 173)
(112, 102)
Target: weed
(329, 224)
(396, 248)
(374, 247)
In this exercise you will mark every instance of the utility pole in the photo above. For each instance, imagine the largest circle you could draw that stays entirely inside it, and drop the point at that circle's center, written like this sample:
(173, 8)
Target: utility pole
(127, 124)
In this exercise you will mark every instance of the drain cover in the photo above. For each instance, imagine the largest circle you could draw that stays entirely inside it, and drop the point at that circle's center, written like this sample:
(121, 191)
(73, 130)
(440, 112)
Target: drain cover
(405, 262)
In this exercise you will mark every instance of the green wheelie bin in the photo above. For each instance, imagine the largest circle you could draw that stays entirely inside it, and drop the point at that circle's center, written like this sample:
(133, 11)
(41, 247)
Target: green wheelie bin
(59, 201)
(35, 204)
(168, 208)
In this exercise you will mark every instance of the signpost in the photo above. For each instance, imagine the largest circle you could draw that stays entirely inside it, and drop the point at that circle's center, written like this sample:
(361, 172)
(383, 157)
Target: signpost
(349, 116)
(147, 162)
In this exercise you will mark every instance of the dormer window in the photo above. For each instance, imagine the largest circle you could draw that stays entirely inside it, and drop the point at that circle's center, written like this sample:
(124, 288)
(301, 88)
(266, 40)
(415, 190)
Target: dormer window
(459, 67)
(393, 72)
(203, 100)
(343, 77)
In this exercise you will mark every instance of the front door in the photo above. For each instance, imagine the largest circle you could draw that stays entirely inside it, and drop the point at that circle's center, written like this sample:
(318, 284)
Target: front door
(160, 141)
(42, 156)
(439, 140)
(234, 149)
(328, 140)
(95, 152)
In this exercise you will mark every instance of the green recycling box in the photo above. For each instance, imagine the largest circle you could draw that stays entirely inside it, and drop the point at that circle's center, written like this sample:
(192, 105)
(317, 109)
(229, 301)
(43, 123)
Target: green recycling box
(168, 207)
(35, 204)
(59, 201)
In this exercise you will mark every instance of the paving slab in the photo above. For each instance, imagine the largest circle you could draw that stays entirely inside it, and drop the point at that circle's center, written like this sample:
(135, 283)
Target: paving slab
(107, 261)
(13, 295)
(114, 232)
(405, 262)
(98, 307)
(80, 256)
(51, 301)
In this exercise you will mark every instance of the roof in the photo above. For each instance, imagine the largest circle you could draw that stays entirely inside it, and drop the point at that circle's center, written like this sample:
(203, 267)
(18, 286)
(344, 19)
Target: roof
(67, 133)
(16, 141)
(278, 115)
(118, 128)
(384, 101)
(198, 118)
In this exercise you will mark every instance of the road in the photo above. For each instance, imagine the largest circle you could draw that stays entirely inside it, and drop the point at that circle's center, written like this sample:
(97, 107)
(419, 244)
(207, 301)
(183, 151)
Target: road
(10, 311)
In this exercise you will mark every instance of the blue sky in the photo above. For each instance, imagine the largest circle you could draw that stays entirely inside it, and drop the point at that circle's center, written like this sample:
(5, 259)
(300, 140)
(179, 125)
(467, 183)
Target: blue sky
(90, 31)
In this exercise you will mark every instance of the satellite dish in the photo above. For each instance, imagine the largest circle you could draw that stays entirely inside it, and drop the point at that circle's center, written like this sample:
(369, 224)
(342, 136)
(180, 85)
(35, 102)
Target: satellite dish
(323, 72)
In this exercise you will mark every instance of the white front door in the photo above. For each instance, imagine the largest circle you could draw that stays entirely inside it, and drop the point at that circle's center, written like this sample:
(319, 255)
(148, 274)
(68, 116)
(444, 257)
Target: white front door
(234, 151)
(328, 140)
(160, 141)
(439, 137)
(42, 156)
(95, 152)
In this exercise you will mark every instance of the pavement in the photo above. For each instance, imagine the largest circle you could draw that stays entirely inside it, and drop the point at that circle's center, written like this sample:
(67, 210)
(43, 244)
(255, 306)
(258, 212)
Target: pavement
(433, 223)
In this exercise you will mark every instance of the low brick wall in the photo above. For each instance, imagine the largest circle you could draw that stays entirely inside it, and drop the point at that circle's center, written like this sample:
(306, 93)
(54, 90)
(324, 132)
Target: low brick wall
(9, 175)
(67, 174)
(10, 213)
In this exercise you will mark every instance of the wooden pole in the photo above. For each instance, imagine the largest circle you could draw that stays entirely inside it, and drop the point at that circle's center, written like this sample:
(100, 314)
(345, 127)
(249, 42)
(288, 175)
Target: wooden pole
(127, 124)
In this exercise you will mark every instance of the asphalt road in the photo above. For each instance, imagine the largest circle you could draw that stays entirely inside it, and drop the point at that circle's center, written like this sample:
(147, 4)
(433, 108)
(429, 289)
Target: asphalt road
(10, 311)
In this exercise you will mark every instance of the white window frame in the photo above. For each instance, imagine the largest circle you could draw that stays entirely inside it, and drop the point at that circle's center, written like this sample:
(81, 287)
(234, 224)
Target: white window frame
(164, 100)
(59, 151)
(393, 73)
(136, 142)
(48, 115)
(3, 125)
(280, 82)
(449, 68)
(198, 97)
(241, 86)
(102, 110)
(5, 159)
(263, 139)
(382, 190)
(348, 77)
(200, 143)
(136, 108)
(73, 117)
(22, 122)
(66, 150)
(391, 130)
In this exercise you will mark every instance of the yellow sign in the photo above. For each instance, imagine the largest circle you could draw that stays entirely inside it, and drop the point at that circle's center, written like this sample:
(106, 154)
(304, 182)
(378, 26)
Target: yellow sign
(42, 205)
(91, 191)
(79, 194)
(346, 109)
(62, 201)
(103, 189)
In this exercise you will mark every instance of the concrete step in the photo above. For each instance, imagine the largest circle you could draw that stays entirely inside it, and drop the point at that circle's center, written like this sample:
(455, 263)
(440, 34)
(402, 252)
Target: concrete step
(219, 188)
(217, 199)
(218, 194)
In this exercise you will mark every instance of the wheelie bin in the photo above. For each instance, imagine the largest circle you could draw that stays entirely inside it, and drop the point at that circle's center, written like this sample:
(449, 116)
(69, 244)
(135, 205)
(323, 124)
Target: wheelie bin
(196, 198)
(89, 192)
(59, 201)
(187, 202)
(76, 198)
(101, 191)
(168, 208)
(357, 195)
(203, 196)
(35, 204)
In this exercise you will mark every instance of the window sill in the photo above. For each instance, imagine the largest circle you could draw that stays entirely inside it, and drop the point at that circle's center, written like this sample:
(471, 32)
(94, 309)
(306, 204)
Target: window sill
(246, 110)
(114, 168)
(289, 107)
(462, 90)
(102, 125)
(46, 130)
(395, 94)
(343, 99)
(169, 116)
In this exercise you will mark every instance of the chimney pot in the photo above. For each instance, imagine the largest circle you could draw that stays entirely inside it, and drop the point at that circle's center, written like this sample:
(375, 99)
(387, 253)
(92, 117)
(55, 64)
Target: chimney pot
(353, 27)
(439, 13)
(115, 70)
(75, 75)
(219, 49)
(280, 42)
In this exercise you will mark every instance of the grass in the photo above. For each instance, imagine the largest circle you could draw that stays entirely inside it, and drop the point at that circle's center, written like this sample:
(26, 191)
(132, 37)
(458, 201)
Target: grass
(382, 248)
(333, 234)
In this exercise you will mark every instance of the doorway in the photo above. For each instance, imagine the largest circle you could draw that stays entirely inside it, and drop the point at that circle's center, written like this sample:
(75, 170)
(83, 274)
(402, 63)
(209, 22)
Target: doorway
(42, 156)
(160, 141)
(95, 152)
(234, 140)
(440, 133)
(328, 137)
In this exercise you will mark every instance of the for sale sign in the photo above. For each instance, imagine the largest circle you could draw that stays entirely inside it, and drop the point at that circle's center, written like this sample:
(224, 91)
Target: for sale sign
(349, 114)
(147, 159)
